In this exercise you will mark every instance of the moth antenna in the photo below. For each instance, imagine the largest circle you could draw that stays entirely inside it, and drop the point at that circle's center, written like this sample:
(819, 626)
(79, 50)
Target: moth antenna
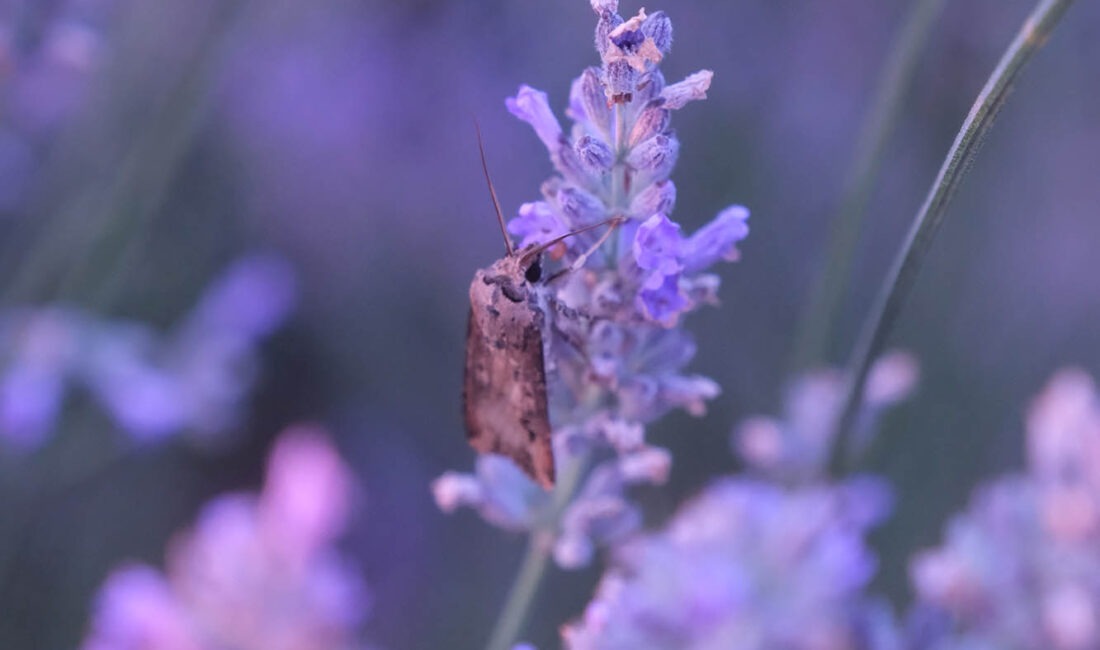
(613, 221)
(492, 190)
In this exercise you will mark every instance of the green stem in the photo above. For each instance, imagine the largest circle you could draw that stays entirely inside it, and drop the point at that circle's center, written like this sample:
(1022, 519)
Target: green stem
(522, 594)
(819, 321)
(535, 561)
(903, 274)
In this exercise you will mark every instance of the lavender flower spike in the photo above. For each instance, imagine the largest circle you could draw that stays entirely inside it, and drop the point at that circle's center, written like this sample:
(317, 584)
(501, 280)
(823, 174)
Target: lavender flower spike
(614, 349)
(1020, 567)
(746, 565)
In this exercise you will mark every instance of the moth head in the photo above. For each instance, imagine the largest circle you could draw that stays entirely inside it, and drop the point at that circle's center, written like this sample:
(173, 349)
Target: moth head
(519, 271)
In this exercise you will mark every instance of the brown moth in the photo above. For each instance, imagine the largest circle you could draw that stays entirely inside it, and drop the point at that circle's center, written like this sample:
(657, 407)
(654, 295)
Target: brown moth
(504, 390)
(505, 385)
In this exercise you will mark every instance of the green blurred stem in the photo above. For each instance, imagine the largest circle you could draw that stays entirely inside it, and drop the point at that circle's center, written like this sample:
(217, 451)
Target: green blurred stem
(819, 320)
(82, 248)
(903, 273)
(535, 562)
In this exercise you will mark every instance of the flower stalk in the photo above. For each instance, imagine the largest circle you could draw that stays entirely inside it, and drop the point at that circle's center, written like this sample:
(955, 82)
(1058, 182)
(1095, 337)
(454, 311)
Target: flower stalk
(899, 282)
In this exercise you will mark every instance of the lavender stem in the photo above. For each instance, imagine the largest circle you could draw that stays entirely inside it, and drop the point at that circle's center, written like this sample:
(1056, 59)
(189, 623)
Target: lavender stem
(535, 560)
(903, 274)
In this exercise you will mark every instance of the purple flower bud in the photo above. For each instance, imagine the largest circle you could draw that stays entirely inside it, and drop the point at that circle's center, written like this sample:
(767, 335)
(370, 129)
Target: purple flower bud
(621, 80)
(656, 156)
(608, 22)
(580, 207)
(653, 121)
(631, 44)
(603, 6)
(595, 154)
(658, 27)
(649, 87)
(689, 393)
(648, 465)
(533, 107)
(570, 165)
(692, 88)
(717, 240)
(536, 223)
(659, 197)
(658, 246)
(588, 101)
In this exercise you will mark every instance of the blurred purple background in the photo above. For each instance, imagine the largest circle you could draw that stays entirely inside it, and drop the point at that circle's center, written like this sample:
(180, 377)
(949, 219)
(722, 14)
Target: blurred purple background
(144, 146)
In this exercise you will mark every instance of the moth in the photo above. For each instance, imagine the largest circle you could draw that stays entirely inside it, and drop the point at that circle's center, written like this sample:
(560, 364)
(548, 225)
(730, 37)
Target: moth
(504, 388)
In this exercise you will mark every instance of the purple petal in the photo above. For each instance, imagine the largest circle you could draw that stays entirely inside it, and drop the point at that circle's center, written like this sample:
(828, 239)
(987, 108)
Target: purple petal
(655, 156)
(665, 304)
(252, 298)
(595, 153)
(658, 197)
(658, 246)
(533, 107)
(588, 102)
(536, 224)
(658, 27)
(717, 240)
(693, 88)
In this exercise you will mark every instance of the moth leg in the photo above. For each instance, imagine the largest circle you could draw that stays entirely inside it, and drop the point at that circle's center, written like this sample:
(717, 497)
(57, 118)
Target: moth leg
(570, 324)
(579, 263)
(564, 312)
(583, 259)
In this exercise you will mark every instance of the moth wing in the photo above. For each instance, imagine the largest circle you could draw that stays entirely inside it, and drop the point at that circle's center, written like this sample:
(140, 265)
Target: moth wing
(504, 389)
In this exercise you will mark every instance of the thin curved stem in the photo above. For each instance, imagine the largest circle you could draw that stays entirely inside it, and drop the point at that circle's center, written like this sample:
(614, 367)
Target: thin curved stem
(903, 274)
(816, 327)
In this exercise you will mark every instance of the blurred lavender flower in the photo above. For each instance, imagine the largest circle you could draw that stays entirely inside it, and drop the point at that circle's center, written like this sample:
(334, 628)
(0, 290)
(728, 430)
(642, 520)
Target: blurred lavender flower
(795, 449)
(194, 380)
(256, 572)
(619, 364)
(774, 561)
(1021, 568)
(747, 565)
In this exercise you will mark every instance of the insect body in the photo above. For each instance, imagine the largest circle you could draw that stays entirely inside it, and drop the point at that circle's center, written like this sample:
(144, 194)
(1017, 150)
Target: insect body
(505, 384)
